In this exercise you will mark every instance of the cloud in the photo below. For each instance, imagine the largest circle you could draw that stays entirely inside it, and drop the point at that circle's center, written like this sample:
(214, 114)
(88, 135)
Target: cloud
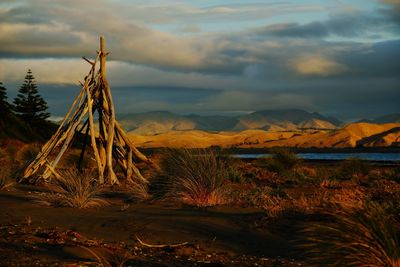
(316, 65)
(350, 24)
(57, 71)
(256, 55)
(392, 2)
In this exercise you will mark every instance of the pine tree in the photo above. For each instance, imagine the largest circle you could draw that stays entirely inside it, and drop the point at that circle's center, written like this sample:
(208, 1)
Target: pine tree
(28, 104)
(4, 106)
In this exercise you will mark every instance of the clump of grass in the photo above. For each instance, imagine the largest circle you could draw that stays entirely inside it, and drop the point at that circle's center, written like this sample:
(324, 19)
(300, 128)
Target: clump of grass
(329, 184)
(197, 177)
(73, 189)
(27, 153)
(394, 175)
(108, 258)
(234, 170)
(274, 206)
(138, 191)
(4, 182)
(351, 168)
(5, 170)
(365, 237)
(281, 161)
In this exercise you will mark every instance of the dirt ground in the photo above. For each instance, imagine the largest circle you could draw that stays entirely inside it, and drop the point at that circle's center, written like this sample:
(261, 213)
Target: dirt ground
(34, 235)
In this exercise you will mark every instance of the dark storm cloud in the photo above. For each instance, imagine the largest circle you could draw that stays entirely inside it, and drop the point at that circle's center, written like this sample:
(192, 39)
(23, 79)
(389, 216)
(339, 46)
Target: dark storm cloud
(392, 9)
(344, 25)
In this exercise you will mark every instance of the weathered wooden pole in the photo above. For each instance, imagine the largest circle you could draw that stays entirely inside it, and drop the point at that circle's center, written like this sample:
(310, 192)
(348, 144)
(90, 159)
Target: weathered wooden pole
(111, 114)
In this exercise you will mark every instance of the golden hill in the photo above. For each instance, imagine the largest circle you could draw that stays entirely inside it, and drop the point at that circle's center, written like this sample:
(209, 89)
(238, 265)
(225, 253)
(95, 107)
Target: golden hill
(356, 134)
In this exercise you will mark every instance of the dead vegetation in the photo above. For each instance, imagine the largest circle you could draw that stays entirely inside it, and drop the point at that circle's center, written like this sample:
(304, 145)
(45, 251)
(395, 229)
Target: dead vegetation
(73, 189)
(364, 237)
(196, 177)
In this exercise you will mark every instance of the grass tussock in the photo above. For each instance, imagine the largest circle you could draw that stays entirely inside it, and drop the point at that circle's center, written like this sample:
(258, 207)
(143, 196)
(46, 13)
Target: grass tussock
(281, 161)
(139, 191)
(352, 168)
(73, 189)
(5, 170)
(5, 183)
(196, 177)
(365, 237)
(108, 258)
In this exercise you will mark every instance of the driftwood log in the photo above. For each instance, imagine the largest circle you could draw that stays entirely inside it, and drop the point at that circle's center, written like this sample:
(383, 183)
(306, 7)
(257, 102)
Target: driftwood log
(110, 145)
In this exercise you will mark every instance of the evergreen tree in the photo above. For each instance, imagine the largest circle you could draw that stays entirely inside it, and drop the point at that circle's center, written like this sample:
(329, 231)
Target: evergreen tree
(4, 106)
(28, 104)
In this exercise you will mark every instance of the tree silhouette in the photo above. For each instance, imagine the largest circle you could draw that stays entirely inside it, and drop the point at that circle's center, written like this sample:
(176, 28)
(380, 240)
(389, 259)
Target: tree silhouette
(4, 105)
(28, 104)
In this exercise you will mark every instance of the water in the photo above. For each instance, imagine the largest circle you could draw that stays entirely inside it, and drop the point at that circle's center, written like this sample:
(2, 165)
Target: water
(334, 156)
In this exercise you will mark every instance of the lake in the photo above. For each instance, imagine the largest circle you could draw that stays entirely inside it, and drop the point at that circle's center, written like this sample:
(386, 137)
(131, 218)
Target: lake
(334, 156)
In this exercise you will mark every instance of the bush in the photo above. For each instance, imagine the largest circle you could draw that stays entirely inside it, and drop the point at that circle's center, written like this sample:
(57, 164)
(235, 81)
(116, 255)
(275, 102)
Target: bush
(366, 237)
(4, 182)
(73, 189)
(26, 154)
(5, 170)
(197, 177)
(281, 161)
(350, 168)
(394, 175)
(234, 169)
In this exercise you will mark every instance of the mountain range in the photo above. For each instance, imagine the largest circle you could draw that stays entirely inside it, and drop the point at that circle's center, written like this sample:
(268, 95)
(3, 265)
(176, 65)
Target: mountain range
(351, 135)
(390, 118)
(158, 122)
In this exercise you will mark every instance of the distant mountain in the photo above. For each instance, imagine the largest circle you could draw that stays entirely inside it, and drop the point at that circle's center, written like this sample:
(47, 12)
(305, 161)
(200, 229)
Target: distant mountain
(155, 122)
(352, 135)
(390, 118)
(288, 119)
(269, 120)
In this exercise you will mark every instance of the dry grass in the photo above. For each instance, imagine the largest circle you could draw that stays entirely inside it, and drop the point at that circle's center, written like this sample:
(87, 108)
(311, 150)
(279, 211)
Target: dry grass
(73, 189)
(274, 206)
(329, 184)
(26, 154)
(365, 237)
(5, 170)
(196, 177)
(138, 191)
(108, 258)
(281, 161)
(4, 182)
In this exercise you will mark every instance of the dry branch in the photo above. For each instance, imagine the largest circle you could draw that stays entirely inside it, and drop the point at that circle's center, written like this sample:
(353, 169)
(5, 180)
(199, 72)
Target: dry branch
(162, 246)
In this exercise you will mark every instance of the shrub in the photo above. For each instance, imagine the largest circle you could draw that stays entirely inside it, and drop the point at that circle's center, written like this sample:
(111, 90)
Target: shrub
(5, 169)
(234, 170)
(351, 167)
(138, 191)
(365, 237)
(4, 182)
(73, 189)
(285, 157)
(197, 177)
(282, 160)
(26, 154)
(394, 175)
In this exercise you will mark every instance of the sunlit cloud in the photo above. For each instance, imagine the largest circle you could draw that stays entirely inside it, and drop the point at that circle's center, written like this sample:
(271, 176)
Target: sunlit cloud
(316, 65)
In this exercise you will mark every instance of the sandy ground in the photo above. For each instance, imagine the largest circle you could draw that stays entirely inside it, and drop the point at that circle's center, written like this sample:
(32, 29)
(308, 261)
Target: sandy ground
(30, 234)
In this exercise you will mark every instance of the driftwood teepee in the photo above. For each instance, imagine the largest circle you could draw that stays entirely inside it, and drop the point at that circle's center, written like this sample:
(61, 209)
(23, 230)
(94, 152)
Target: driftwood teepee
(110, 144)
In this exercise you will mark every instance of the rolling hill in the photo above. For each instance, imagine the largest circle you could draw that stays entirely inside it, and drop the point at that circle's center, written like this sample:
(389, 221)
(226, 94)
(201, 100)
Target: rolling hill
(157, 122)
(352, 135)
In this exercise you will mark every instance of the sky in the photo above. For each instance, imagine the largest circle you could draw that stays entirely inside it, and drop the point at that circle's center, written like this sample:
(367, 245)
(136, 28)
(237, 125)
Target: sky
(340, 58)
